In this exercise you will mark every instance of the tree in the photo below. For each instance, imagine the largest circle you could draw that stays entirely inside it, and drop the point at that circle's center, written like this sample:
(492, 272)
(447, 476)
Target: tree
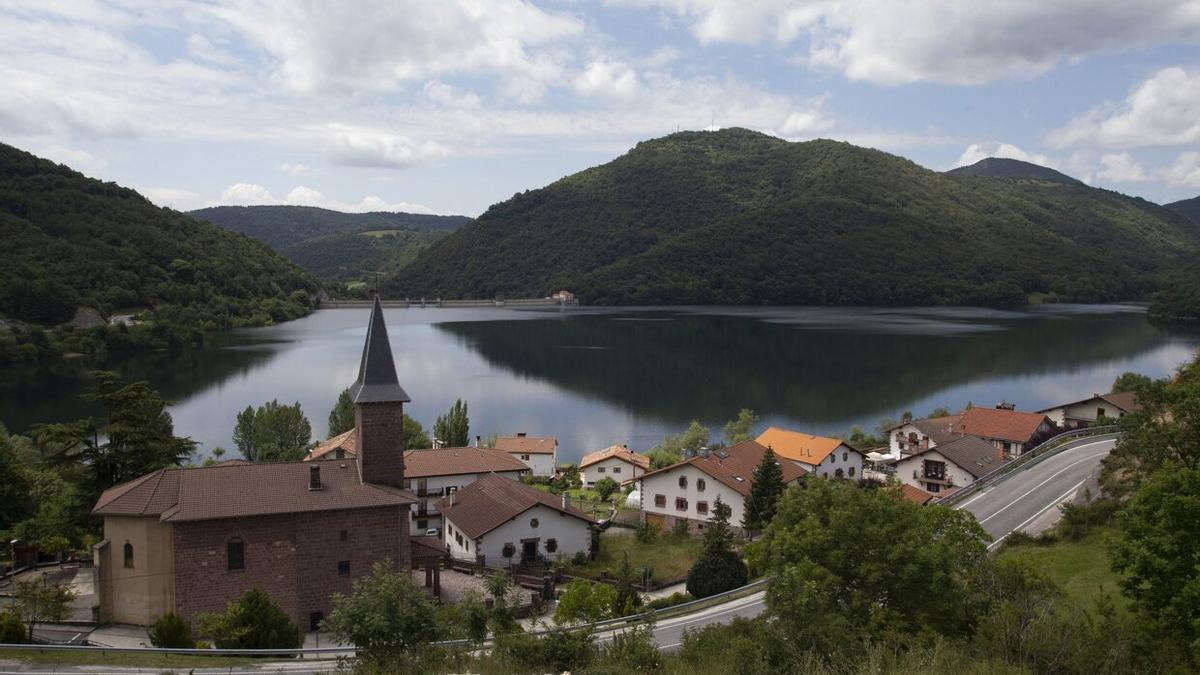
(253, 621)
(1130, 381)
(15, 503)
(341, 418)
(37, 602)
(54, 523)
(454, 428)
(765, 488)
(939, 412)
(626, 600)
(585, 601)
(172, 631)
(12, 631)
(385, 616)
(847, 563)
(273, 433)
(718, 569)
(415, 437)
(673, 448)
(740, 428)
(606, 487)
(1158, 548)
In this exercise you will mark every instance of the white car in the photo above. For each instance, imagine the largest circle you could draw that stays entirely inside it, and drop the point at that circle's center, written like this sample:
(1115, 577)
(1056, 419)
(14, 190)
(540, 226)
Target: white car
(433, 532)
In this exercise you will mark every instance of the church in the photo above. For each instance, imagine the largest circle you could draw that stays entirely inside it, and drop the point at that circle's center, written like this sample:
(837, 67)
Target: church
(191, 540)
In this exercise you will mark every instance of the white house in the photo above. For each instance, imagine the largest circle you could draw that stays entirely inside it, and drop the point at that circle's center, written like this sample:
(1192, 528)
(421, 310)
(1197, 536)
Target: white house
(819, 455)
(435, 472)
(617, 462)
(687, 490)
(1011, 431)
(1086, 412)
(493, 513)
(917, 435)
(950, 465)
(540, 454)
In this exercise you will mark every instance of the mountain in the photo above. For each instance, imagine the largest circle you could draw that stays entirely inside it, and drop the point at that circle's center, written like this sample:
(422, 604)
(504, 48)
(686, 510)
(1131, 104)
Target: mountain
(739, 217)
(1002, 167)
(73, 242)
(1188, 208)
(335, 246)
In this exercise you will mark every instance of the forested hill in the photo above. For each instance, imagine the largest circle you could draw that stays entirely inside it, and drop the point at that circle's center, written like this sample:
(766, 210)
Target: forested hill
(1189, 208)
(1002, 167)
(739, 217)
(337, 247)
(74, 242)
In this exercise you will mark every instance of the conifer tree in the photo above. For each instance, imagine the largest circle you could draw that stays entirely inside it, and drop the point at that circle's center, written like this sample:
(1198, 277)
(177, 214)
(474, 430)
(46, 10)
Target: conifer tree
(765, 488)
(718, 569)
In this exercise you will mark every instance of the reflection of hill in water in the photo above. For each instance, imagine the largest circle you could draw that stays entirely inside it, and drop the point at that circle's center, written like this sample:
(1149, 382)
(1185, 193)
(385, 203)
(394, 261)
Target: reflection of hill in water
(50, 392)
(705, 367)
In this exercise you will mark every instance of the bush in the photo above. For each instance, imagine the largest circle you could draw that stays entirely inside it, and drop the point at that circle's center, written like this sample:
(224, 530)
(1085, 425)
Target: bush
(671, 600)
(605, 487)
(252, 622)
(172, 631)
(680, 530)
(1077, 521)
(647, 532)
(12, 631)
(632, 651)
(580, 558)
(558, 650)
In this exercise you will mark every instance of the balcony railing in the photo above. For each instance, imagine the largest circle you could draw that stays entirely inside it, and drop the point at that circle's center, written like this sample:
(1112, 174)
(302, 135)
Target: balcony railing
(431, 492)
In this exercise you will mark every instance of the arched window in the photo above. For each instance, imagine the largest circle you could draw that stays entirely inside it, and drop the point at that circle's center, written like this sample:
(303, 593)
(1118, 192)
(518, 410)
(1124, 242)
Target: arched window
(700, 485)
(533, 522)
(128, 554)
(235, 554)
(683, 482)
(845, 456)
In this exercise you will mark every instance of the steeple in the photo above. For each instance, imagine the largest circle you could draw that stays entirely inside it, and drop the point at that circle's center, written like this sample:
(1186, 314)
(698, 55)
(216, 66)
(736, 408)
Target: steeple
(377, 381)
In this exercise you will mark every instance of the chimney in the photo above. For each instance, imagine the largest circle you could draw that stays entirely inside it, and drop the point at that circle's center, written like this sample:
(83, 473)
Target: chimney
(314, 476)
(478, 442)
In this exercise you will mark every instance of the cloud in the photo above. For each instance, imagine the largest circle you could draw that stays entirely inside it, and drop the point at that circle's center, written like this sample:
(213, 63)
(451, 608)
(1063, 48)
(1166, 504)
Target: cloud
(78, 160)
(1185, 172)
(450, 96)
(361, 146)
(977, 151)
(1121, 168)
(1162, 110)
(203, 48)
(247, 194)
(607, 79)
(947, 41)
(803, 123)
(180, 200)
(251, 194)
(297, 169)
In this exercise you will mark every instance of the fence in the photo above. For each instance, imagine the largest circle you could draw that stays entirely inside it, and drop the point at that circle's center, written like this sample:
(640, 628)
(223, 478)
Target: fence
(1027, 459)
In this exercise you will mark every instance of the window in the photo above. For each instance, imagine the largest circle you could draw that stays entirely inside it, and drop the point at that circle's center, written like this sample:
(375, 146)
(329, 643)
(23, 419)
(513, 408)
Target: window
(314, 621)
(839, 474)
(599, 469)
(1100, 413)
(339, 454)
(343, 535)
(235, 554)
(1007, 446)
(458, 538)
(422, 524)
(660, 501)
(680, 504)
(851, 472)
(933, 487)
(935, 469)
(525, 457)
(616, 469)
(343, 568)
(128, 554)
(833, 458)
(845, 456)
(700, 485)
(702, 508)
(683, 482)
(533, 522)
(551, 545)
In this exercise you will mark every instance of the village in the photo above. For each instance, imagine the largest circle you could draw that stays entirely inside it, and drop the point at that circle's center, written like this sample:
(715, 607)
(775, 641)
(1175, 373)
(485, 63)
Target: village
(189, 541)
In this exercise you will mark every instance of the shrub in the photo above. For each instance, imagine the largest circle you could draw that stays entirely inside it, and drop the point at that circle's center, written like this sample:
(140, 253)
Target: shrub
(647, 532)
(1077, 520)
(605, 487)
(254, 621)
(12, 631)
(557, 650)
(172, 631)
(632, 651)
(671, 600)
(680, 530)
(580, 558)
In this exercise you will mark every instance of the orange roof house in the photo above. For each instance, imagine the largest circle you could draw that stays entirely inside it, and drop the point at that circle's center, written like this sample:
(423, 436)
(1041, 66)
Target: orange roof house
(338, 447)
(798, 446)
(618, 451)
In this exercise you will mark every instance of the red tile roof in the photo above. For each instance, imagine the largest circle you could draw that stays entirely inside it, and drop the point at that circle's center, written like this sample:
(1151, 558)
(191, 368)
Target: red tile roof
(620, 452)
(1006, 425)
(249, 489)
(493, 500)
(733, 466)
(455, 461)
(532, 445)
(344, 441)
(915, 494)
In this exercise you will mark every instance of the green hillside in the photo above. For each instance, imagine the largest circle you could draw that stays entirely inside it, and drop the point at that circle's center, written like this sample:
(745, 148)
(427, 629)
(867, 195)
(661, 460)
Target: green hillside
(738, 217)
(1003, 167)
(335, 246)
(73, 242)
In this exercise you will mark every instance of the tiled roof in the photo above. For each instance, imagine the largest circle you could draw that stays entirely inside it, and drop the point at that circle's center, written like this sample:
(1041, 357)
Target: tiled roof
(938, 429)
(344, 441)
(970, 453)
(798, 446)
(620, 452)
(532, 445)
(1006, 425)
(915, 494)
(249, 489)
(455, 461)
(733, 466)
(1123, 400)
(494, 500)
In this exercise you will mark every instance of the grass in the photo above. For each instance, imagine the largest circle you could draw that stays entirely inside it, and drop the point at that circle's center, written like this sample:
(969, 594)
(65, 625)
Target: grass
(380, 233)
(670, 557)
(96, 658)
(1083, 569)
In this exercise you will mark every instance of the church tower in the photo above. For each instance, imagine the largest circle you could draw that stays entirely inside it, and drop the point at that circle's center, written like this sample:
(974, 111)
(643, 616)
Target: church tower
(379, 408)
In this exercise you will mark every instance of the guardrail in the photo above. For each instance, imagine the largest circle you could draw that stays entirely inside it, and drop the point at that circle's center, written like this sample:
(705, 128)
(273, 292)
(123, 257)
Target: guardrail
(1043, 451)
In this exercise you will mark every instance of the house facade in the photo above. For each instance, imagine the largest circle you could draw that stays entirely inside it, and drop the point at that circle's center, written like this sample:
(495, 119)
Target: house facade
(1010, 431)
(686, 491)
(951, 465)
(193, 540)
(818, 455)
(433, 473)
(1079, 414)
(617, 462)
(494, 514)
(540, 454)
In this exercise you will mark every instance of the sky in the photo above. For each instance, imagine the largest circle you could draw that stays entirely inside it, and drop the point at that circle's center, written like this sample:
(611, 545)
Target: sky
(449, 106)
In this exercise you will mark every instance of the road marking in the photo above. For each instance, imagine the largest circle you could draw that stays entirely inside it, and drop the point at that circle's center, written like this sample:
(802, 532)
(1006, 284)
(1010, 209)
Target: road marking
(991, 487)
(1054, 503)
(1034, 488)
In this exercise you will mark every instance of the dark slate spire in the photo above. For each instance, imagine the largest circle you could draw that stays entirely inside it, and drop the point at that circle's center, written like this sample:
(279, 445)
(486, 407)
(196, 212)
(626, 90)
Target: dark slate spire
(377, 381)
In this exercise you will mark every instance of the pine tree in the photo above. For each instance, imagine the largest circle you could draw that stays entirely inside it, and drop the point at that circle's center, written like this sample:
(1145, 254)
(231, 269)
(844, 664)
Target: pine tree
(718, 569)
(765, 488)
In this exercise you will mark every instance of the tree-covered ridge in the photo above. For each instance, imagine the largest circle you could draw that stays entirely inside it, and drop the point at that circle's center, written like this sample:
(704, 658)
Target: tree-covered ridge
(738, 217)
(1003, 167)
(1188, 208)
(337, 247)
(72, 241)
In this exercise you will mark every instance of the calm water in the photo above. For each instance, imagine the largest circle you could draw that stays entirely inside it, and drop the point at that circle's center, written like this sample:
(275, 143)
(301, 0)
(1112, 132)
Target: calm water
(594, 377)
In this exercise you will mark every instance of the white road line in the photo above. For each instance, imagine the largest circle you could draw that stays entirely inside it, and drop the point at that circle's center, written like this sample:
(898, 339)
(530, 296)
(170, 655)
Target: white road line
(989, 489)
(1052, 504)
(1032, 489)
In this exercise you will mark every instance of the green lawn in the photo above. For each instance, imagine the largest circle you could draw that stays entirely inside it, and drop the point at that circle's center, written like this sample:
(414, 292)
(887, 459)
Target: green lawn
(1081, 568)
(670, 557)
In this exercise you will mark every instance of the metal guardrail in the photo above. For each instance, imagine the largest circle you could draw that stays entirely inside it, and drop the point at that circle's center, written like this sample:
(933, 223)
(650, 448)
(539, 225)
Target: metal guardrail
(1043, 451)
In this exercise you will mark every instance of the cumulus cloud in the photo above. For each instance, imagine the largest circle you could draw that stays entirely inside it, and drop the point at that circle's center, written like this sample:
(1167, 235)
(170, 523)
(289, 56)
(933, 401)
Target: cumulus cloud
(79, 160)
(1162, 110)
(607, 79)
(450, 96)
(297, 169)
(977, 151)
(1121, 168)
(947, 41)
(251, 194)
(1185, 171)
(180, 200)
(362, 146)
